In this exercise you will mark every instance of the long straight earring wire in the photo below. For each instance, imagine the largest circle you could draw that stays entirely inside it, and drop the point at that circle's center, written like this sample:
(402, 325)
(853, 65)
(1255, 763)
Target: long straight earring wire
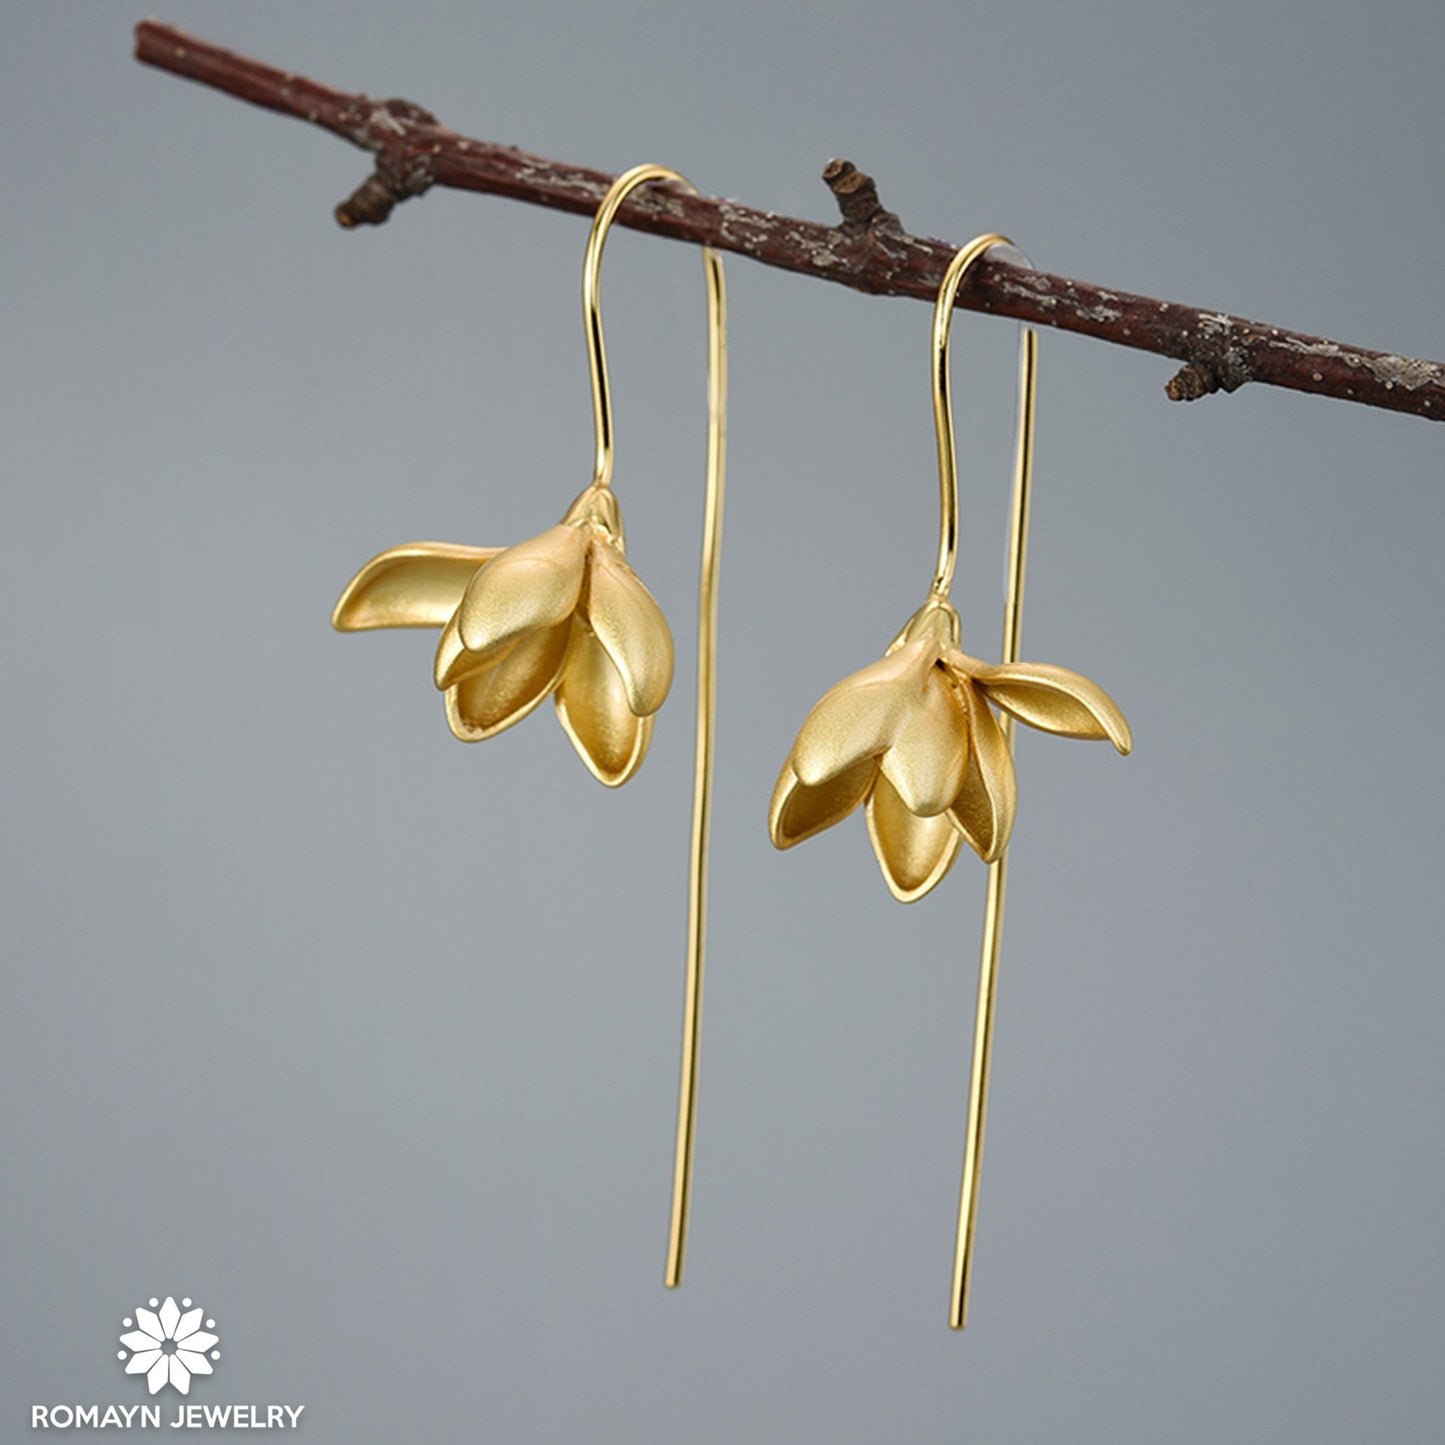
(997, 870)
(702, 766)
(706, 648)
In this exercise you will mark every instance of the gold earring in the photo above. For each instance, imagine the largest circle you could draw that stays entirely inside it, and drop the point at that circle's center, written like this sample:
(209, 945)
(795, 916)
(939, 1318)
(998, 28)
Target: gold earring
(565, 615)
(914, 740)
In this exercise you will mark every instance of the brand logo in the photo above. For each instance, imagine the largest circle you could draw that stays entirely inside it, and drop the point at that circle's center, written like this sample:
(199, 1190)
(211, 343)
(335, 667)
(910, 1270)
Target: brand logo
(168, 1347)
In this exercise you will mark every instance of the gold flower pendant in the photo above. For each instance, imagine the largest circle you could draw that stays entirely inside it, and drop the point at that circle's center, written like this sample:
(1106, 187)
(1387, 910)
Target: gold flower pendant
(914, 739)
(560, 615)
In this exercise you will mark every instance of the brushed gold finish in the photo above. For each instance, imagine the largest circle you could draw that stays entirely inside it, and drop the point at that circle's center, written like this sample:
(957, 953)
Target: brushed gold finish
(918, 723)
(563, 615)
(913, 739)
(418, 585)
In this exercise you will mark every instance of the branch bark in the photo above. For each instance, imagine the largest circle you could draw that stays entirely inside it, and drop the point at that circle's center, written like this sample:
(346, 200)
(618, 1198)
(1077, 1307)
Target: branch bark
(868, 251)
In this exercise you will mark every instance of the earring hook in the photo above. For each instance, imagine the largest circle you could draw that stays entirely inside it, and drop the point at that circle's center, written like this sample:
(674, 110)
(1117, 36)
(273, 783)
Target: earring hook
(621, 188)
(943, 308)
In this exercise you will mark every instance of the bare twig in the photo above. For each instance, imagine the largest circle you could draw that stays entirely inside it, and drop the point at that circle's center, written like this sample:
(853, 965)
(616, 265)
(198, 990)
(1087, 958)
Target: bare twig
(869, 251)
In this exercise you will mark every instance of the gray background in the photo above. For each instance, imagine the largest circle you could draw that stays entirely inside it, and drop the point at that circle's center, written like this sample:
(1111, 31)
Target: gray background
(368, 1040)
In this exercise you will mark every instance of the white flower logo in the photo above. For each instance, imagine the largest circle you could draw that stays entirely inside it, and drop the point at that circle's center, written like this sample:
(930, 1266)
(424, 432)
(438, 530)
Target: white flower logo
(168, 1347)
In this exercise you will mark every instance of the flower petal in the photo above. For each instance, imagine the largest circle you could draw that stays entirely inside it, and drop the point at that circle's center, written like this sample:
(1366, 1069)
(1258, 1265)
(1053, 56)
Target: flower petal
(149, 1321)
(1054, 699)
(913, 852)
(454, 661)
(985, 806)
(196, 1364)
(170, 1317)
(529, 587)
(140, 1363)
(798, 811)
(508, 685)
(419, 585)
(199, 1340)
(859, 717)
(188, 1324)
(928, 758)
(180, 1376)
(158, 1374)
(593, 709)
(139, 1341)
(630, 625)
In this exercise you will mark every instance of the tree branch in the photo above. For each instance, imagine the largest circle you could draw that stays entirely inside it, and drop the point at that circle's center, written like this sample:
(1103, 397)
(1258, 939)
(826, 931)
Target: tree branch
(869, 250)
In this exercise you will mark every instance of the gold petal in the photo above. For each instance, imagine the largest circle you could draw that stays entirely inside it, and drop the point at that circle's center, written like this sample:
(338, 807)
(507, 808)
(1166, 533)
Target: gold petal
(630, 625)
(454, 661)
(1054, 699)
(928, 757)
(913, 852)
(507, 685)
(528, 588)
(798, 812)
(860, 716)
(418, 585)
(985, 806)
(593, 709)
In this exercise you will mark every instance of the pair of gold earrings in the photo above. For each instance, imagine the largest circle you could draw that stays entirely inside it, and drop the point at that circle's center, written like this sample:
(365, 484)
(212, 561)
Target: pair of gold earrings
(912, 738)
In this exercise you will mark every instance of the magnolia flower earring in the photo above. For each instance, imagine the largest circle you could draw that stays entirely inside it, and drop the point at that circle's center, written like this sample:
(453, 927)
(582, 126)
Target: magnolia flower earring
(564, 615)
(914, 740)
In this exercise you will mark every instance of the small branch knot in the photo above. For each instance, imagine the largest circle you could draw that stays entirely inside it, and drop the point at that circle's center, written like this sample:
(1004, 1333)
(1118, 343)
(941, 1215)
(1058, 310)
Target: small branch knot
(395, 131)
(369, 204)
(1190, 383)
(1226, 372)
(857, 197)
(392, 181)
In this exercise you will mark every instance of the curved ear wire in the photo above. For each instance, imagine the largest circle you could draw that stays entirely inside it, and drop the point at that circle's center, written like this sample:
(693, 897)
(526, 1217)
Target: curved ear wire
(706, 649)
(953, 276)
